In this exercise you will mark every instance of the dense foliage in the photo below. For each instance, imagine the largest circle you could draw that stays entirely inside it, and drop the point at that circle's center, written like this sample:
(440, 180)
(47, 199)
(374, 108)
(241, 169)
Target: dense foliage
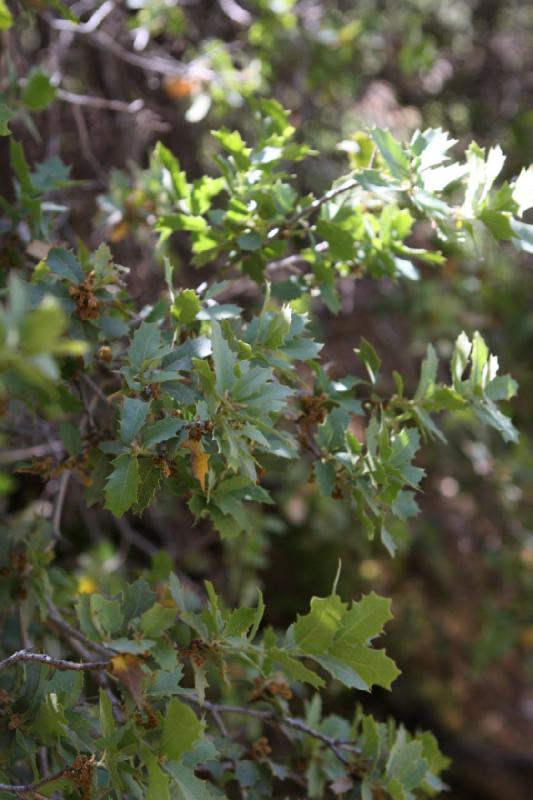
(211, 394)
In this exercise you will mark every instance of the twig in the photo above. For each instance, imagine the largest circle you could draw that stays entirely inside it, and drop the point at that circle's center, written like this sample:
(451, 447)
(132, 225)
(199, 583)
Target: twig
(92, 23)
(57, 663)
(319, 201)
(37, 451)
(28, 788)
(72, 633)
(335, 745)
(96, 389)
(102, 103)
(235, 12)
(82, 645)
(134, 537)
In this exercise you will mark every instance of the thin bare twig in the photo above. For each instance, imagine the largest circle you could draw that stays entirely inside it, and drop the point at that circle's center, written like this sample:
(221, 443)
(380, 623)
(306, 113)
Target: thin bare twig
(102, 103)
(57, 663)
(92, 23)
(335, 745)
(235, 12)
(56, 619)
(325, 198)
(29, 788)
(37, 451)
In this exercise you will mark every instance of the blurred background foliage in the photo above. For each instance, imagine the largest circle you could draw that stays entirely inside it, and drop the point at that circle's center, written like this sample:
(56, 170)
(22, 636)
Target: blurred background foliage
(143, 70)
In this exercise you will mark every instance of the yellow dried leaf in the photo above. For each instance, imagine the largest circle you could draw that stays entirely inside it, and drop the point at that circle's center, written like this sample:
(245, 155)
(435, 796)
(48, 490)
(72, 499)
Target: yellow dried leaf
(119, 231)
(127, 669)
(199, 460)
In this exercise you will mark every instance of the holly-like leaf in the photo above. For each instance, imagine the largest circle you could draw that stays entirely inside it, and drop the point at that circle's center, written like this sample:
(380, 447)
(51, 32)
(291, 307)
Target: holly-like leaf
(181, 730)
(133, 416)
(122, 484)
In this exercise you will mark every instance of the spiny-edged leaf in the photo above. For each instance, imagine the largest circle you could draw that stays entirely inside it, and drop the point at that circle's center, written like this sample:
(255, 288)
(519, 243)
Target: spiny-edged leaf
(294, 669)
(149, 483)
(240, 621)
(106, 614)
(145, 344)
(313, 632)
(406, 762)
(65, 264)
(373, 666)
(342, 672)
(186, 306)
(122, 484)
(162, 431)
(391, 151)
(365, 619)
(157, 619)
(133, 416)
(181, 730)
(138, 597)
(224, 359)
(158, 780)
(490, 414)
(187, 785)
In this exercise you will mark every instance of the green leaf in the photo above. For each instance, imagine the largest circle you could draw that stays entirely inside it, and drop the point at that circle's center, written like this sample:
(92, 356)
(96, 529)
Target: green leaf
(157, 619)
(6, 114)
(162, 431)
(106, 614)
(499, 224)
(158, 780)
(406, 763)
(370, 359)
(341, 243)
(373, 666)
(122, 484)
(149, 482)
(145, 344)
(314, 632)
(294, 669)
(325, 477)
(6, 18)
(392, 152)
(187, 785)
(65, 264)
(240, 621)
(133, 416)
(138, 598)
(365, 619)
(224, 360)
(181, 730)
(38, 92)
(250, 241)
(428, 375)
(186, 306)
